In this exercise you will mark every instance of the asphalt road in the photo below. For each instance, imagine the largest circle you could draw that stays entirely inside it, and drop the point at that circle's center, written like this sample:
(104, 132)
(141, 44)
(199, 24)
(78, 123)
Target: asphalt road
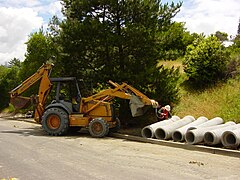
(26, 152)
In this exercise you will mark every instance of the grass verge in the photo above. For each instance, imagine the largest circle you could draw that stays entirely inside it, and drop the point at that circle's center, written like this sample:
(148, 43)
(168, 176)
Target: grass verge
(223, 101)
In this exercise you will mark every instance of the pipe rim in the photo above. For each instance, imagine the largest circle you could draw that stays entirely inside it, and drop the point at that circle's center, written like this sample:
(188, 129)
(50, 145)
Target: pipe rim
(160, 133)
(177, 136)
(231, 139)
(209, 138)
(147, 132)
(190, 138)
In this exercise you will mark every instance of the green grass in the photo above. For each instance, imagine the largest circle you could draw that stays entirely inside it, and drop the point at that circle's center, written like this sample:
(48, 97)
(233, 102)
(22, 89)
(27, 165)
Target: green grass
(9, 109)
(223, 100)
(177, 63)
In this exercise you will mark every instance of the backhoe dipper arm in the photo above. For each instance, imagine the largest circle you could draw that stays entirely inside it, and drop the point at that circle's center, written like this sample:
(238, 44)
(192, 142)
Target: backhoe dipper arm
(20, 102)
(45, 69)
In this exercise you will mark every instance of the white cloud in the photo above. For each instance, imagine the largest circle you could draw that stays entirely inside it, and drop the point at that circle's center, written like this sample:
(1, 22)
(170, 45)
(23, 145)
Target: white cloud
(19, 18)
(209, 16)
(55, 8)
(20, 3)
(15, 26)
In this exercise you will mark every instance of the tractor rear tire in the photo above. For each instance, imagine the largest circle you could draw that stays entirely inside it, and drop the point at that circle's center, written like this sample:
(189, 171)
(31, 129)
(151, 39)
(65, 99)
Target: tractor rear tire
(98, 127)
(55, 121)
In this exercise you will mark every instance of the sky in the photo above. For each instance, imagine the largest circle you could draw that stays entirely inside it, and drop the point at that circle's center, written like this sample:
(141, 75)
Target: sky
(19, 18)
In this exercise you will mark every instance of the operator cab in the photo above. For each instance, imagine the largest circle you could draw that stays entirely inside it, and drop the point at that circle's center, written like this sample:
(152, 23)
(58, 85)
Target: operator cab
(67, 92)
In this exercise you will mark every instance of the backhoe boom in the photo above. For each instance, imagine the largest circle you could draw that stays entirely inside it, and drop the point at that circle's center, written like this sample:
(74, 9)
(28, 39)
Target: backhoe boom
(20, 102)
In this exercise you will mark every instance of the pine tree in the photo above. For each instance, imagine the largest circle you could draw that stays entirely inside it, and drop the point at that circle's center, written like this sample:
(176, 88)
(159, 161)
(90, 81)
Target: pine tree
(112, 39)
(238, 32)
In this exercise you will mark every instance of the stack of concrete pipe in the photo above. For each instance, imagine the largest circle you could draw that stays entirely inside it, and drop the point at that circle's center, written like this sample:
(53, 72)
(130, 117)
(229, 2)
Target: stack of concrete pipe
(202, 130)
(149, 131)
(196, 136)
(165, 132)
(179, 134)
(216, 136)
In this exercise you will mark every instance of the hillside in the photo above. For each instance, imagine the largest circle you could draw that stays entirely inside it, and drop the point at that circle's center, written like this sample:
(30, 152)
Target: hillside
(222, 100)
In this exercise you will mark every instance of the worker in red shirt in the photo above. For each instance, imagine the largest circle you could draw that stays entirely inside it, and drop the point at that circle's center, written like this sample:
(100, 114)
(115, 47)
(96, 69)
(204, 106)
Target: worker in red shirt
(164, 113)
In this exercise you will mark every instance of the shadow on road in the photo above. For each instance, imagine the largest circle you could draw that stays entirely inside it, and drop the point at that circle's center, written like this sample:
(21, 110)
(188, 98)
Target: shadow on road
(38, 131)
(9, 118)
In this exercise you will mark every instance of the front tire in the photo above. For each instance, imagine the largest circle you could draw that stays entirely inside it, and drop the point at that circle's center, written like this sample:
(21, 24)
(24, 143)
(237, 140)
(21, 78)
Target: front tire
(98, 128)
(55, 121)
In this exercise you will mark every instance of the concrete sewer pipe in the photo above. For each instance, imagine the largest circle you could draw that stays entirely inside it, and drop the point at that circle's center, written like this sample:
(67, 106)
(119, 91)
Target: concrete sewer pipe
(149, 131)
(179, 134)
(213, 137)
(212, 122)
(195, 136)
(231, 138)
(165, 132)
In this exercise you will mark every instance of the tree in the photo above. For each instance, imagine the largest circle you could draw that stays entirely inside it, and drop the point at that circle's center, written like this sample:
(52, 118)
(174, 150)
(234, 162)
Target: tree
(111, 39)
(205, 61)
(39, 50)
(118, 40)
(222, 36)
(238, 32)
(173, 41)
(8, 80)
(14, 62)
(236, 41)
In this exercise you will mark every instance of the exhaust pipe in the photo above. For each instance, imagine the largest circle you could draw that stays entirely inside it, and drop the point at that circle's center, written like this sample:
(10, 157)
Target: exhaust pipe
(213, 137)
(231, 138)
(149, 131)
(179, 134)
(166, 132)
(196, 135)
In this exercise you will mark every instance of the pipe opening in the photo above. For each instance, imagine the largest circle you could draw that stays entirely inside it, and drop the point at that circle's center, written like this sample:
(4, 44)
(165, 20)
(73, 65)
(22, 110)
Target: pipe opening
(190, 137)
(208, 137)
(230, 139)
(177, 136)
(147, 133)
(160, 133)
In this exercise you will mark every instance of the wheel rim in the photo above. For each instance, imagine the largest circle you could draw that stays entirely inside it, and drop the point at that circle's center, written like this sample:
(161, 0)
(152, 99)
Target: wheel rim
(97, 128)
(53, 122)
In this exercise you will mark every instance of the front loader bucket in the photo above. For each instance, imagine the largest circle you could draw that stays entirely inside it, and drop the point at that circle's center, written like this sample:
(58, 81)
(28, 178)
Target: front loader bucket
(20, 102)
(136, 106)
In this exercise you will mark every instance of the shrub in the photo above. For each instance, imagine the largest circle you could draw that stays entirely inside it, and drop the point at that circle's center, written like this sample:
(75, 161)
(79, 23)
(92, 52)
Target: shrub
(164, 85)
(8, 80)
(233, 67)
(205, 61)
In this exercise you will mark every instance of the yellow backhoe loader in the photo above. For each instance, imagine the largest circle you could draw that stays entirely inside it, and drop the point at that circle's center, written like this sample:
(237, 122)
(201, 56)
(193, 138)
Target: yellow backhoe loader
(71, 111)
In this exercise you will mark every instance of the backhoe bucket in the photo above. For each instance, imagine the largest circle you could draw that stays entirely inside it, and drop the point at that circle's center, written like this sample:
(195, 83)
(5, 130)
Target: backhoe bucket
(136, 106)
(20, 102)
